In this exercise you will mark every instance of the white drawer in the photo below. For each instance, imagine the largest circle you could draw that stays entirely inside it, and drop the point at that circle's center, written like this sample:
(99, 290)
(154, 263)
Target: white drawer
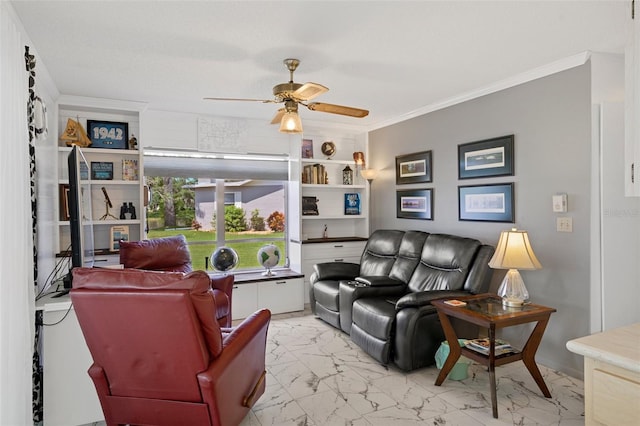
(335, 250)
(281, 295)
(244, 300)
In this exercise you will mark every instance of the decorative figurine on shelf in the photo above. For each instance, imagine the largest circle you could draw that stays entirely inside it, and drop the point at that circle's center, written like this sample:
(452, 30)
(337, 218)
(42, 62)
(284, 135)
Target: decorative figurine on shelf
(107, 206)
(325, 234)
(347, 176)
(74, 134)
(133, 142)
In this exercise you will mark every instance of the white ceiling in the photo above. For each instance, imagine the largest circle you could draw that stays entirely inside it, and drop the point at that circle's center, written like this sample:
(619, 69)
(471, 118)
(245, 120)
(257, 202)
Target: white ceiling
(391, 57)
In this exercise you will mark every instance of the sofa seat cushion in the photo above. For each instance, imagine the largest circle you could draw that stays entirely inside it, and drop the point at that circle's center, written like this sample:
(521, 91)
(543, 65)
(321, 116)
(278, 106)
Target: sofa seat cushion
(326, 293)
(375, 316)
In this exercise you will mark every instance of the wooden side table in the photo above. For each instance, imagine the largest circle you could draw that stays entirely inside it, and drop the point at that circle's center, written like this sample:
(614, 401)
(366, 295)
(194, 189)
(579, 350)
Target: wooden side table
(486, 310)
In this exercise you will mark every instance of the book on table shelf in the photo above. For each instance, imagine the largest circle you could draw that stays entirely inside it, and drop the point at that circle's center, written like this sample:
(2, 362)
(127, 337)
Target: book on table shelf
(482, 346)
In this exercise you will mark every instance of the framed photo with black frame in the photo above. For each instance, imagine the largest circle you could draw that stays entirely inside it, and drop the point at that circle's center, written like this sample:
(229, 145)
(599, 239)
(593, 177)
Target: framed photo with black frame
(108, 134)
(415, 204)
(486, 158)
(63, 190)
(486, 203)
(414, 168)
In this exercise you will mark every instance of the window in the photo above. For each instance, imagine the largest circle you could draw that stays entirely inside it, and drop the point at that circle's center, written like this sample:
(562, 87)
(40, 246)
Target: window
(184, 195)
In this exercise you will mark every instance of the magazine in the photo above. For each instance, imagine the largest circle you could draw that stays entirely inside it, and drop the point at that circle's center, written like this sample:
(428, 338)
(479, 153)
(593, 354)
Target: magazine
(482, 346)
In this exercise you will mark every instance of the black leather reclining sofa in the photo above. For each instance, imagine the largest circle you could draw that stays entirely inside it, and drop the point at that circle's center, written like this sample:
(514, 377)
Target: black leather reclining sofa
(384, 302)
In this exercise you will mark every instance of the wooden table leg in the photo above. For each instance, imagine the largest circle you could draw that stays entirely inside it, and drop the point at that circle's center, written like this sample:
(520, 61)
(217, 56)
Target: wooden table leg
(492, 370)
(454, 348)
(529, 355)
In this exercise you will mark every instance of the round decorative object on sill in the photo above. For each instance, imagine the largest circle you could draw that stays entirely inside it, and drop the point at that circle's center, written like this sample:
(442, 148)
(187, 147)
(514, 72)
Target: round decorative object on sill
(224, 259)
(269, 257)
(347, 176)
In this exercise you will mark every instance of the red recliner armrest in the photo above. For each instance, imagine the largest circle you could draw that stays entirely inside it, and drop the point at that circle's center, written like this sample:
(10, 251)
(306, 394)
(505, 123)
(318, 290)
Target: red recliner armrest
(238, 373)
(224, 284)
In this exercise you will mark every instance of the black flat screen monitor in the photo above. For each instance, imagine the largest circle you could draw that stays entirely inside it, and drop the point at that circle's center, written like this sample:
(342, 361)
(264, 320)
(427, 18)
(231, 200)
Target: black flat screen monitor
(80, 217)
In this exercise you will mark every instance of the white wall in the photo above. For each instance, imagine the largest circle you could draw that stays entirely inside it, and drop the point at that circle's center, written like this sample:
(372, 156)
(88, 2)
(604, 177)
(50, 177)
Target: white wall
(615, 282)
(551, 120)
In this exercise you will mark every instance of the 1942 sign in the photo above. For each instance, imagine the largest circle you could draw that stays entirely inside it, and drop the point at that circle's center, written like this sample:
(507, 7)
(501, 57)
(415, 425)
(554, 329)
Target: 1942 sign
(108, 134)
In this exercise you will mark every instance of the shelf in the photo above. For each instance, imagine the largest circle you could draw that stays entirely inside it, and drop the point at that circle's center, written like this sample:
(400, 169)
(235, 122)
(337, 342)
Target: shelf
(325, 161)
(330, 186)
(90, 150)
(320, 217)
(114, 182)
(106, 222)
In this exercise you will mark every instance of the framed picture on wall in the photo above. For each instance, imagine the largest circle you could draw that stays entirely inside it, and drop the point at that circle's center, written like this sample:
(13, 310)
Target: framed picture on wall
(414, 168)
(486, 203)
(415, 204)
(486, 158)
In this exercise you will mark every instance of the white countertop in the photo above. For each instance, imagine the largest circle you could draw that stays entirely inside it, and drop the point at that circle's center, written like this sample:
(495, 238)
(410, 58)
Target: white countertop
(619, 347)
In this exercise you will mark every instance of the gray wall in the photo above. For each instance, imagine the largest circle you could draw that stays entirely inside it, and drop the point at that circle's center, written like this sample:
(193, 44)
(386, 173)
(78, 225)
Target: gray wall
(550, 118)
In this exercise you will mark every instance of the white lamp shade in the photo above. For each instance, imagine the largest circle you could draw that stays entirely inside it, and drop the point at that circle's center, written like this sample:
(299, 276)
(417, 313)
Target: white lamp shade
(291, 123)
(514, 252)
(369, 174)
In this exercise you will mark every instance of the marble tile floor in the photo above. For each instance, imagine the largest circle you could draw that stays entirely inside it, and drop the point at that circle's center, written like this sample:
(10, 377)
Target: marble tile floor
(317, 376)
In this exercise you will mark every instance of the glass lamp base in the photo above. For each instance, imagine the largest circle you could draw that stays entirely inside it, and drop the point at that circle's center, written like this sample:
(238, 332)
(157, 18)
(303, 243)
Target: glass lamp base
(512, 289)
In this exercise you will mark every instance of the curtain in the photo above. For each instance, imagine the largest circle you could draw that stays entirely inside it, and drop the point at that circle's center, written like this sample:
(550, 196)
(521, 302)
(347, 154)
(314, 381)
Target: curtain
(16, 262)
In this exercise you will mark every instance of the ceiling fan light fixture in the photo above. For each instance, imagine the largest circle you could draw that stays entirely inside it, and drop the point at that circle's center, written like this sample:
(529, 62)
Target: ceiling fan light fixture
(291, 122)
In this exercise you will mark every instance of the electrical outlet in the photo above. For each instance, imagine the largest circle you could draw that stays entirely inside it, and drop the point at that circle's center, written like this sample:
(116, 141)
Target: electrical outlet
(564, 224)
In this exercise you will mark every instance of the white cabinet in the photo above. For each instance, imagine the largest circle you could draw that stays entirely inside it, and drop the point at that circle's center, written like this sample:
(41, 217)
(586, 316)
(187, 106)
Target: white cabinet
(632, 107)
(120, 187)
(69, 396)
(279, 295)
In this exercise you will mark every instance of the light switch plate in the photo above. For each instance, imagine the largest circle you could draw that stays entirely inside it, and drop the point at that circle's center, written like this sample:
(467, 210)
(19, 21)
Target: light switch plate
(564, 224)
(559, 203)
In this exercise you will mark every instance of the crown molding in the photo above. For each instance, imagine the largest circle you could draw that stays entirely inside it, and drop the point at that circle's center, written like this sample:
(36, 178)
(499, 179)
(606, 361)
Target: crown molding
(525, 77)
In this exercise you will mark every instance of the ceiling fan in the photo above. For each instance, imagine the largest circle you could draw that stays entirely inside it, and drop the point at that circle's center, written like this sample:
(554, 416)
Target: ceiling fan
(293, 94)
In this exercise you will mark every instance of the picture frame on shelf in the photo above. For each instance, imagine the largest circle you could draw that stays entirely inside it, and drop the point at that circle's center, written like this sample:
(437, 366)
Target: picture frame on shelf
(486, 203)
(118, 233)
(307, 148)
(101, 170)
(352, 204)
(108, 134)
(414, 204)
(310, 206)
(486, 158)
(414, 168)
(63, 191)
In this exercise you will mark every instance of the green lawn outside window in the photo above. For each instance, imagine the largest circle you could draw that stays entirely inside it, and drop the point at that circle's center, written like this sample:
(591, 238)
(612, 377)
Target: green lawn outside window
(202, 244)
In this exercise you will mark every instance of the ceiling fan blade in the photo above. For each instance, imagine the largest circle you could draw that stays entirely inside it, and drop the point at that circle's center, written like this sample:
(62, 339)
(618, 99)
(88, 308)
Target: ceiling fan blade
(278, 117)
(266, 101)
(309, 90)
(337, 109)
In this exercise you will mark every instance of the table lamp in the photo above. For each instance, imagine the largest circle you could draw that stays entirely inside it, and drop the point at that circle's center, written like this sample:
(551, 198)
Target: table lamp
(514, 252)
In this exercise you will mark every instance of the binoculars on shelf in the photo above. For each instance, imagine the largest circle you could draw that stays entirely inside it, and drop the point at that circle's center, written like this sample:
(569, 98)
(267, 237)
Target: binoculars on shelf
(124, 209)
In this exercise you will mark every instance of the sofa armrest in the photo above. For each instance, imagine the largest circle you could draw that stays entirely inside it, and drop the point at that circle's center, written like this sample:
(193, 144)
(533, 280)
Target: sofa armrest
(334, 271)
(422, 298)
(379, 281)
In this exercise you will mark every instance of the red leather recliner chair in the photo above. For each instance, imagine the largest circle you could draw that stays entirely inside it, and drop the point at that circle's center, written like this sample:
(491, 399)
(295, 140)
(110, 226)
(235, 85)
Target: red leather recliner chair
(159, 356)
(171, 254)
